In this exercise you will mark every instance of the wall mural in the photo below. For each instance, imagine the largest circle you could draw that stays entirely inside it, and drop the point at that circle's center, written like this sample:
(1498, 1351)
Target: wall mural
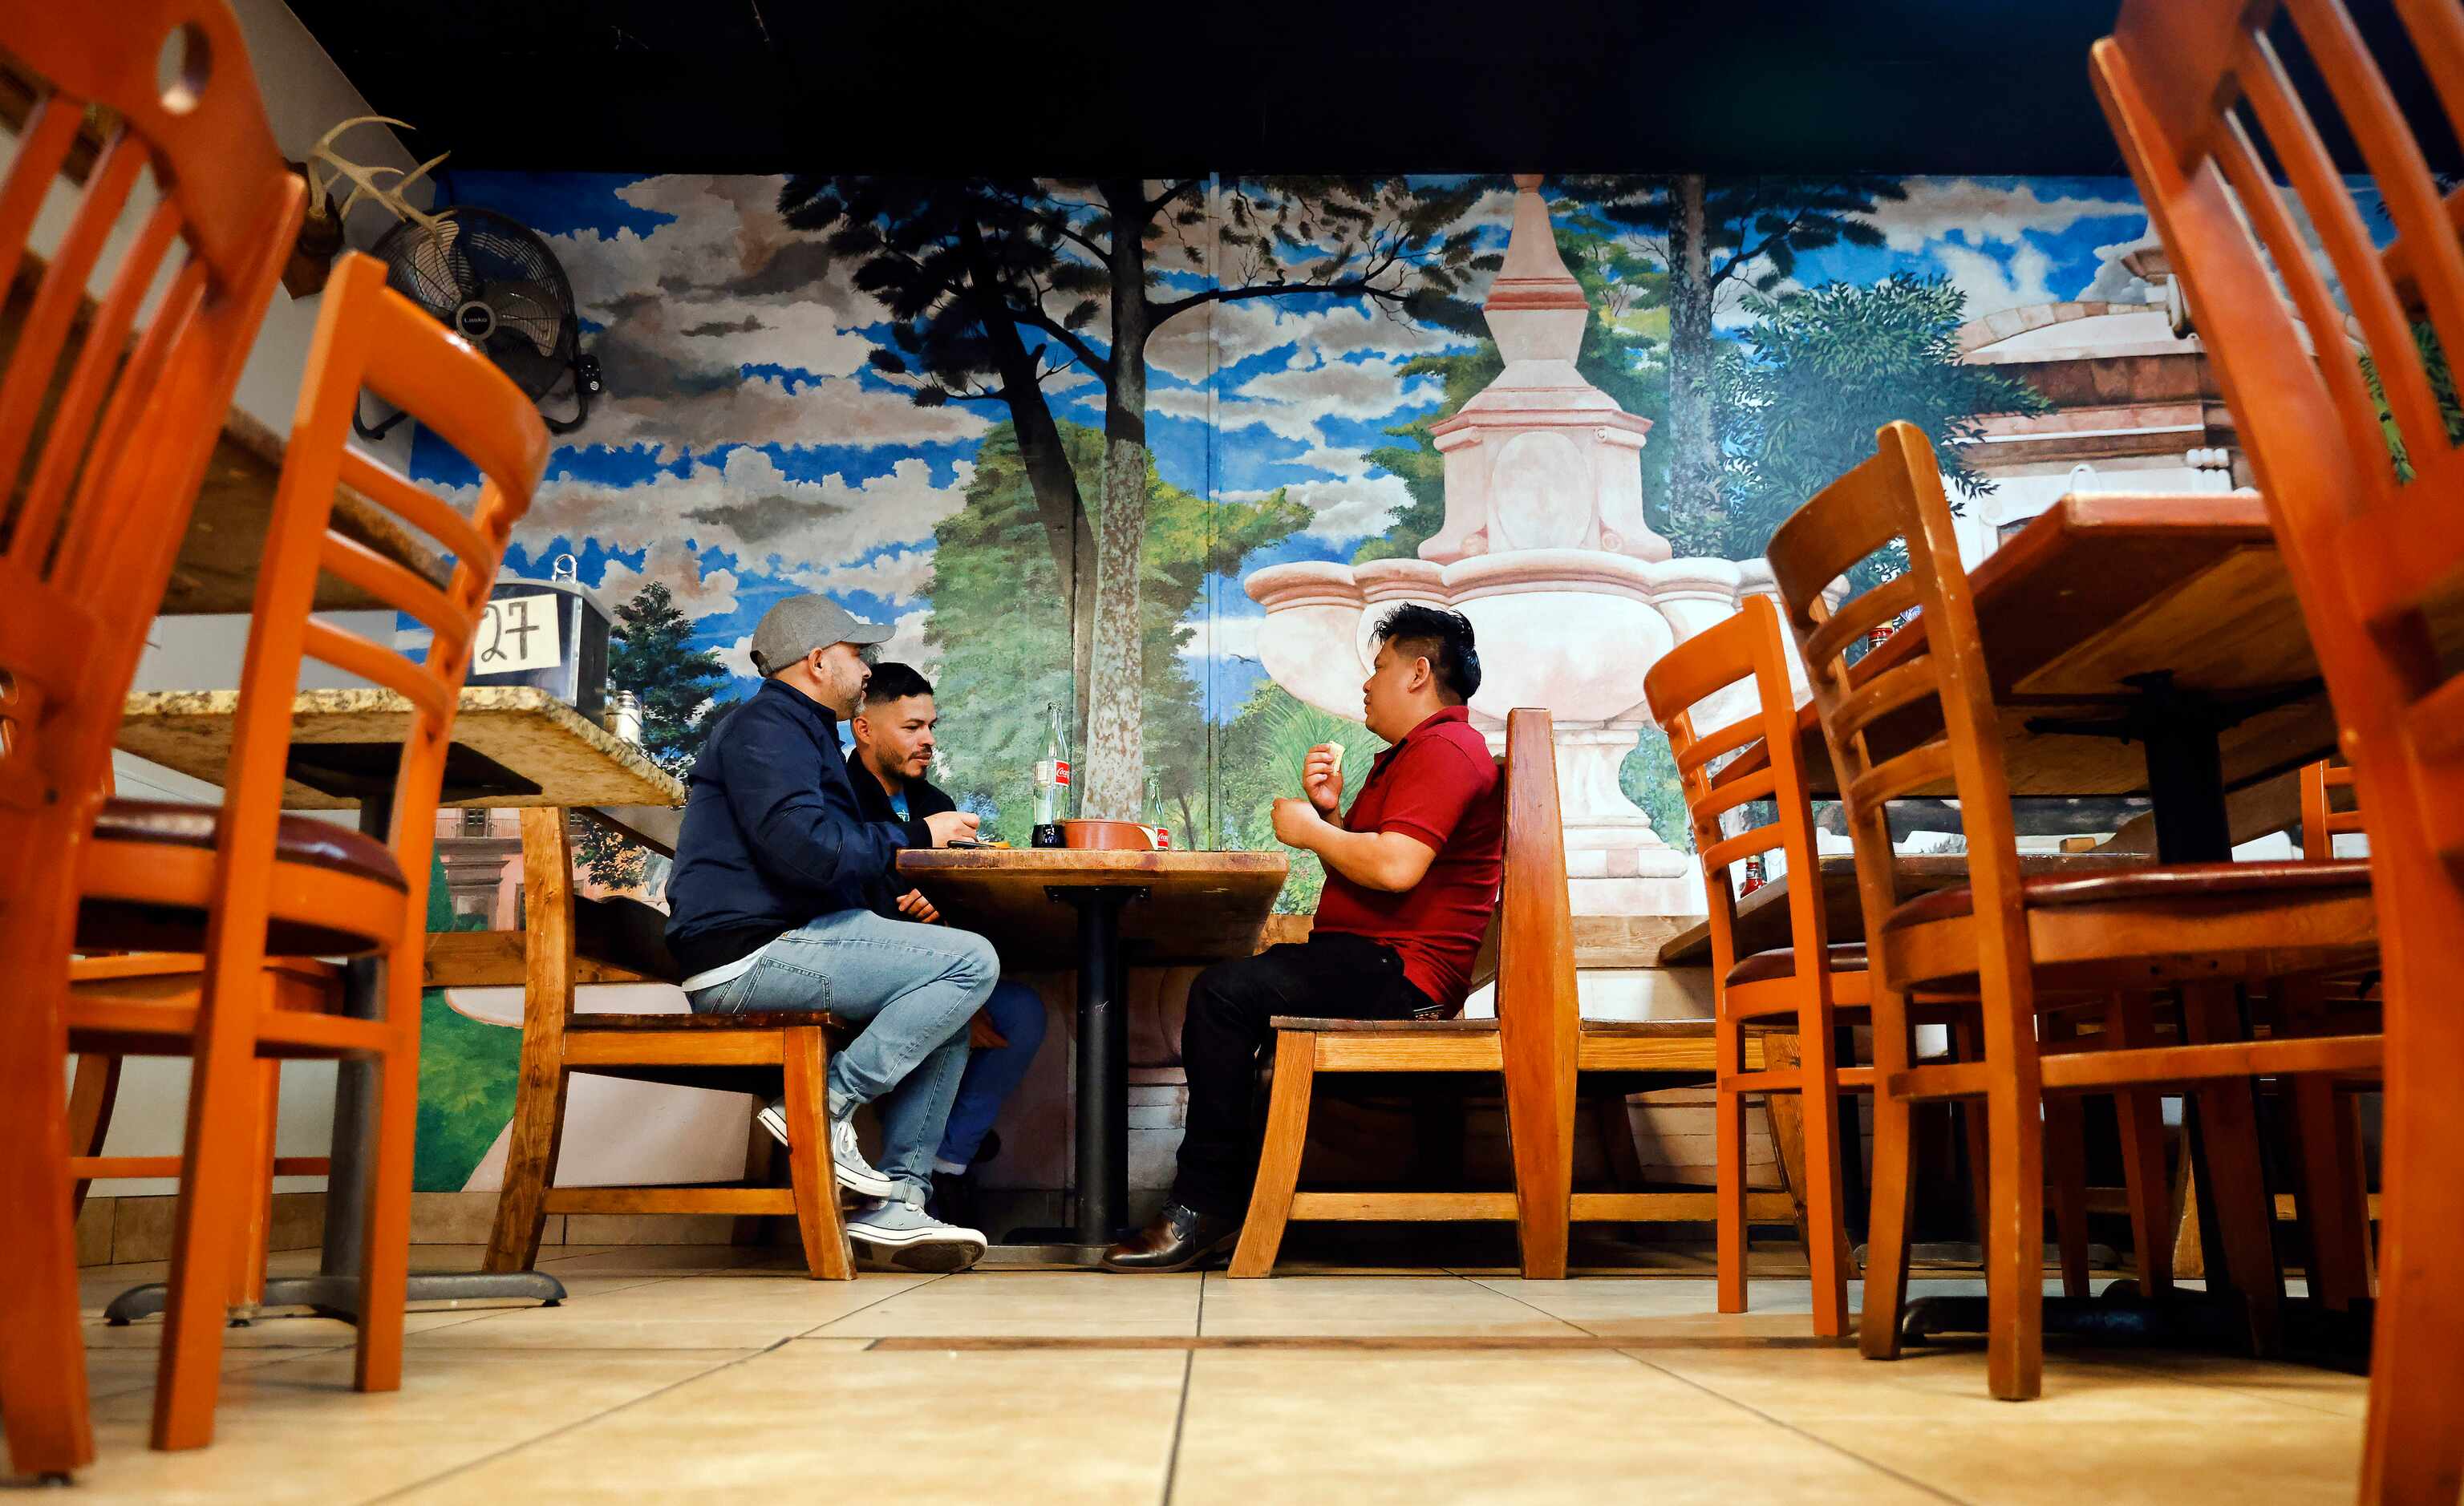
(1078, 440)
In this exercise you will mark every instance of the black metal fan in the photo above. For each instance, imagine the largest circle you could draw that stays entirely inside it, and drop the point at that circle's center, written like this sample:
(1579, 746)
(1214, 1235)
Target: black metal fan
(494, 283)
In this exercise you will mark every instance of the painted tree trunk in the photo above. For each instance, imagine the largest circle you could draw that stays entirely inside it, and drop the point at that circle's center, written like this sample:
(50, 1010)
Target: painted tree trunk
(1058, 503)
(1694, 460)
(1116, 751)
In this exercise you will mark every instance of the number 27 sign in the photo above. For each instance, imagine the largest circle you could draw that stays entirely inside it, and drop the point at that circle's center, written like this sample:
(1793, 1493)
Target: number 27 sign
(518, 633)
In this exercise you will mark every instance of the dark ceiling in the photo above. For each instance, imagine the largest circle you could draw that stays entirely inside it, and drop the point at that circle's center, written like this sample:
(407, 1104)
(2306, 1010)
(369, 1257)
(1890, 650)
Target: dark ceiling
(1903, 86)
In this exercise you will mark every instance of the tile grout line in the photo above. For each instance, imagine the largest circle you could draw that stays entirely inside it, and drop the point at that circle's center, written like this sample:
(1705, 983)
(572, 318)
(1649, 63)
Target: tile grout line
(2150, 1365)
(1517, 1296)
(815, 1332)
(1786, 1426)
(1180, 1418)
(468, 1465)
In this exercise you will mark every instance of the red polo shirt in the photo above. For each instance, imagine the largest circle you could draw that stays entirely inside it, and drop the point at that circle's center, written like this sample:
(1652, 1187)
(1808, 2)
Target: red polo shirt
(1440, 786)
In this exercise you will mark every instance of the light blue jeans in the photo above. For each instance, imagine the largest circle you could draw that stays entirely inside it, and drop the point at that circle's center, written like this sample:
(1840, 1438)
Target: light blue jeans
(911, 987)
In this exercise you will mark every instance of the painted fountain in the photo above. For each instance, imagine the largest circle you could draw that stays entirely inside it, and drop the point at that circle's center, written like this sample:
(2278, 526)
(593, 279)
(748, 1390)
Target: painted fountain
(1546, 548)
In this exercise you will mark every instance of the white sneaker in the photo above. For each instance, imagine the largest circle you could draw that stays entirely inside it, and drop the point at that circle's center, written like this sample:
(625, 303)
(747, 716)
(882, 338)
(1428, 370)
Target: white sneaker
(903, 1234)
(855, 1172)
(847, 1159)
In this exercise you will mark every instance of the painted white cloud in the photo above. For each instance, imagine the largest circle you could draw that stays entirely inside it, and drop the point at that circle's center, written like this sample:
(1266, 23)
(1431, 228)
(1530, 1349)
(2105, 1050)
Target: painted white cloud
(899, 577)
(1941, 209)
(906, 644)
(1344, 508)
(749, 508)
(2114, 282)
(672, 564)
(1223, 637)
(737, 656)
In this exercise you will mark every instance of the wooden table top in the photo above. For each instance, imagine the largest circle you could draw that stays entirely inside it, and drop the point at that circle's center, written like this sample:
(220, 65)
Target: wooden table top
(216, 571)
(512, 745)
(1762, 916)
(2104, 586)
(1199, 907)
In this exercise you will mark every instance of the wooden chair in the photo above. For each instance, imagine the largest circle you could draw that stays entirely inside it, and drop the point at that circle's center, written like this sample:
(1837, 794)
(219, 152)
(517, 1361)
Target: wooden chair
(1804, 984)
(2024, 944)
(2372, 547)
(762, 1054)
(103, 442)
(245, 882)
(1532, 1043)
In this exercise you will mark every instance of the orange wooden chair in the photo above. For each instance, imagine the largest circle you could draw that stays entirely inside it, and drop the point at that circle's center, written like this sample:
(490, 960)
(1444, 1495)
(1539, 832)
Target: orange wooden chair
(2372, 543)
(1747, 650)
(246, 883)
(103, 442)
(2025, 944)
(1532, 1043)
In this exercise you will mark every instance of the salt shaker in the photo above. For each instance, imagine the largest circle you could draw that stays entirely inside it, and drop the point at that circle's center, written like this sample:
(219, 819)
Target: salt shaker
(625, 716)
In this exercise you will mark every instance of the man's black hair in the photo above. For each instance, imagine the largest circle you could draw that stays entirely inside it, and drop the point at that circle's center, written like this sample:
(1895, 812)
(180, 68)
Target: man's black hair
(894, 682)
(1440, 637)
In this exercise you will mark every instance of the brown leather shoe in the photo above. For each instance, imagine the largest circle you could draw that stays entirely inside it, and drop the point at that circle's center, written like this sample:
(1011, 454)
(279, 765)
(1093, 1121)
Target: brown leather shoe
(1179, 1238)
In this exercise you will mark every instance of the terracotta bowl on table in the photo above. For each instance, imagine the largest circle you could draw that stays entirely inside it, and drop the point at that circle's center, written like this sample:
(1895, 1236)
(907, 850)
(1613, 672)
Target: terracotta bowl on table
(1106, 836)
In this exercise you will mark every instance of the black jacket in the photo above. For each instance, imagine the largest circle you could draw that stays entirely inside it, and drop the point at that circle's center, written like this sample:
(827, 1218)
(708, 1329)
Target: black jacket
(924, 798)
(773, 832)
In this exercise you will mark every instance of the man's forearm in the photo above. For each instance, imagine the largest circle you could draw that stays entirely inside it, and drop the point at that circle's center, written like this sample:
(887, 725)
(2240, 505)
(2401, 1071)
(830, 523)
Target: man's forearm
(1362, 857)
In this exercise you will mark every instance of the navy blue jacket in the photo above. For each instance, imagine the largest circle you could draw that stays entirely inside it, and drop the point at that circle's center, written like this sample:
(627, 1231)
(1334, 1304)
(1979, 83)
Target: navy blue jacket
(773, 834)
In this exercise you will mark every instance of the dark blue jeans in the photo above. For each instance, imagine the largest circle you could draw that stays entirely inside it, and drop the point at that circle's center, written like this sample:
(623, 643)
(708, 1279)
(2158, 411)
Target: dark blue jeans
(993, 1073)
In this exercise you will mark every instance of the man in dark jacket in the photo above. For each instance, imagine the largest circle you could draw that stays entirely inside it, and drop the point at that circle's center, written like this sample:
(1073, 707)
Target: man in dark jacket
(893, 729)
(770, 907)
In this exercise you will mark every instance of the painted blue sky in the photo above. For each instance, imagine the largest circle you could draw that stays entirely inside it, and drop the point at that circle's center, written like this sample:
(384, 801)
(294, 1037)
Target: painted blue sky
(746, 449)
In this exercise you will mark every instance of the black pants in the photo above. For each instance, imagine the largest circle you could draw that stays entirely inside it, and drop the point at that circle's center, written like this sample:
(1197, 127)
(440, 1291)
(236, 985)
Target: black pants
(1346, 977)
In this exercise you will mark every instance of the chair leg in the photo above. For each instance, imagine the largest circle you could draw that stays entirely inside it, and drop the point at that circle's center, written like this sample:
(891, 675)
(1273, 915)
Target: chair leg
(531, 1154)
(1825, 1217)
(2066, 1173)
(254, 1233)
(93, 1092)
(42, 1351)
(1784, 1118)
(1279, 1162)
(1894, 1189)
(2015, 1262)
(2236, 1176)
(384, 1256)
(2141, 1116)
(2331, 1200)
(215, 1188)
(1967, 1043)
(1728, 1154)
(2414, 1451)
(826, 1255)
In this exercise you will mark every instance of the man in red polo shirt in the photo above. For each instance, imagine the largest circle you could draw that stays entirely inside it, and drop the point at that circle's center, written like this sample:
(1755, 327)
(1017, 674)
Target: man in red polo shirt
(1412, 872)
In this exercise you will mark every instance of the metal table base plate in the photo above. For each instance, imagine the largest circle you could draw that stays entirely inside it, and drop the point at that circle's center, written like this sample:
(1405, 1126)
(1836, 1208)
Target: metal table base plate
(339, 1295)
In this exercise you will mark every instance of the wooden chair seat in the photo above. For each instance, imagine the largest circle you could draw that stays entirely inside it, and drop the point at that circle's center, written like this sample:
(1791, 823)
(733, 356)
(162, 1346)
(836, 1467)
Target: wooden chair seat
(2273, 882)
(151, 878)
(1398, 1027)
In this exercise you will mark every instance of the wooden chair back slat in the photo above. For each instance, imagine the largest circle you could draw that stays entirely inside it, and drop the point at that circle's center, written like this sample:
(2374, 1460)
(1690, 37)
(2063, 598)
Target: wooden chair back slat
(61, 296)
(1896, 689)
(353, 654)
(1539, 1017)
(1860, 615)
(397, 584)
(1913, 770)
(2370, 537)
(1746, 651)
(405, 500)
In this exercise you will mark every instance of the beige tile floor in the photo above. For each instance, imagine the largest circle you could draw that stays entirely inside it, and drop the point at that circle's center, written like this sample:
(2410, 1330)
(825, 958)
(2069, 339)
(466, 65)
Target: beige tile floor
(689, 1371)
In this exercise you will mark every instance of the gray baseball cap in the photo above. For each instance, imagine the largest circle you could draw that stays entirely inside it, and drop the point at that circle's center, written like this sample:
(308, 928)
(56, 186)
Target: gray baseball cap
(799, 625)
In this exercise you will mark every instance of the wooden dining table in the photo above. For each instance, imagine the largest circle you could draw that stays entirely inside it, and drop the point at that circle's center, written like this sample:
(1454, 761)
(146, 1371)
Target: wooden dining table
(513, 746)
(1151, 909)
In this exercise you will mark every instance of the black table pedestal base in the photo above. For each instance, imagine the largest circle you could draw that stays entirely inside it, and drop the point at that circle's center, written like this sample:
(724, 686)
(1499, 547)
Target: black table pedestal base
(339, 1297)
(2216, 1324)
(1103, 1108)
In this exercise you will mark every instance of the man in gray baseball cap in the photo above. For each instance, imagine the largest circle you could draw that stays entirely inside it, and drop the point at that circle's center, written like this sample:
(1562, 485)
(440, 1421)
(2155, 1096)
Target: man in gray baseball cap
(768, 910)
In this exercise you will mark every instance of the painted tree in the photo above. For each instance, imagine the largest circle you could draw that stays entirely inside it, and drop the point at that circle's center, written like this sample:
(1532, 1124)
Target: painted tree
(1719, 239)
(999, 288)
(651, 653)
(1000, 659)
(1824, 368)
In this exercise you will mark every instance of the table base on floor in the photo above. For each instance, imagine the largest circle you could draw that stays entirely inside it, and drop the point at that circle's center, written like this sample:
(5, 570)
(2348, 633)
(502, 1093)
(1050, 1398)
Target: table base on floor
(2196, 1320)
(339, 1295)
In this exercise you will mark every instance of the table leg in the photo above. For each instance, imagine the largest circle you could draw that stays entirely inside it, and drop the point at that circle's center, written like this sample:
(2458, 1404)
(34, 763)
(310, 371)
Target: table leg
(1102, 1122)
(334, 1291)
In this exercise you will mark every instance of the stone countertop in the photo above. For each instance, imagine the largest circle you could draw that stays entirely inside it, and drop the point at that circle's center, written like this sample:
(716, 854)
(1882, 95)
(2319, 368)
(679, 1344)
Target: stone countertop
(537, 750)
